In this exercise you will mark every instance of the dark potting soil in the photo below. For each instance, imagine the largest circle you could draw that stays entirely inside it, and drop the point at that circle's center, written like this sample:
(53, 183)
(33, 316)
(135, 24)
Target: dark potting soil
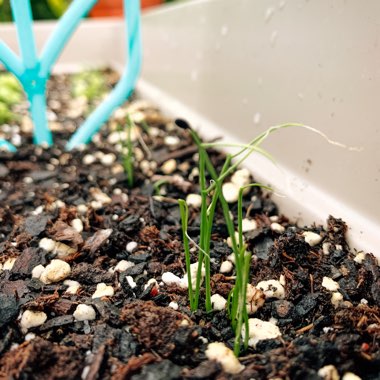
(134, 333)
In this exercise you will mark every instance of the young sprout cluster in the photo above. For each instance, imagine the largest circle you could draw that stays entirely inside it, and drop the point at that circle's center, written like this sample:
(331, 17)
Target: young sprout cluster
(10, 94)
(89, 84)
(237, 299)
(129, 134)
(127, 150)
(211, 196)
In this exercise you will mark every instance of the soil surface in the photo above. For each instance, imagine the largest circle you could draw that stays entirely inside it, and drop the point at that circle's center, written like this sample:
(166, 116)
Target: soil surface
(81, 201)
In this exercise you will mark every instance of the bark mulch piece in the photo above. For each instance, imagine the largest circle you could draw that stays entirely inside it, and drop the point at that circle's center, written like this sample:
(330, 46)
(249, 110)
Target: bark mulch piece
(161, 329)
(41, 359)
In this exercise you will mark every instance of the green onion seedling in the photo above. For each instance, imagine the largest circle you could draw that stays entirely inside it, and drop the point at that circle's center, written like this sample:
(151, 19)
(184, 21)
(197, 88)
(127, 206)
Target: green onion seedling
(236, 304)
(127, 150)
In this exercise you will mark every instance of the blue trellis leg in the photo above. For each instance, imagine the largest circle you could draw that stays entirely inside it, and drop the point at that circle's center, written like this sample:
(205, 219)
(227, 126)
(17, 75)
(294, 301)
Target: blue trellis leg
(10, 60)
(62, 32)
(126, 84)
(37, 99)
(7, 145)
(34, 85)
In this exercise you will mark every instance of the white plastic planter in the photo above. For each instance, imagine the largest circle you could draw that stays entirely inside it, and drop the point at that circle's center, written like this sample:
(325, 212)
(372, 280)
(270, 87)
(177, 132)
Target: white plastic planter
(234, 68)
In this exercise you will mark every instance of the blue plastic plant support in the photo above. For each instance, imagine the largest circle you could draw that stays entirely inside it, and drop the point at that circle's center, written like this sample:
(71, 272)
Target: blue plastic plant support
(127, 81)
(33, 71)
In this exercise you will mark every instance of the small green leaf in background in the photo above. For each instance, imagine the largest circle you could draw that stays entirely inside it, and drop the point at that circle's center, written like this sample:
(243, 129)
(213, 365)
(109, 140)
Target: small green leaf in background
(91, 84)
(41, 9)
(5, 11)
(58, 7)
(10, 94)
(10, 89)
(6, 115)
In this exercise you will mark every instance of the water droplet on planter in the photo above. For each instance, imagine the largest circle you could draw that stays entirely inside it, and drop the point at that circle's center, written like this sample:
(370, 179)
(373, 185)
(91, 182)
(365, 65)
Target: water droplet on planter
(256, 118)
(194, 75)
(273, 38)
(269, 13)
(224, 30)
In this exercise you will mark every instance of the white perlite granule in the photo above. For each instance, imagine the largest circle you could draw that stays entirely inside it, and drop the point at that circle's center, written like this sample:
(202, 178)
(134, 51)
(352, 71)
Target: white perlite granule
(249, 225)
(103, 290)
(230, 192)
(193, 271)
(218, 302)
(260, 330)
(31, 319)
(131, 282)
(131, 246)
(272, 289)
(241, 178)
(77, 224)
(359, 258)
(277, 227)
(336, 299)
(37, 271)
(194, 200)
(47, 244)
(328, 372)
(226, 267)
(123, 265)
(8, 265)
(108, 159)
(170, 278)
(350, 376)
(84, 313)
(169, 166)
(220, 353)
(173, 305)
(56, 271)
(62, 250)
(312, 238)
(73, 286)
(329, 284)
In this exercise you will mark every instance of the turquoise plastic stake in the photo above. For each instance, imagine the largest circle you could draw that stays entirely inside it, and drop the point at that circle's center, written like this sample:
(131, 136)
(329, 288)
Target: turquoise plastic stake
(62, 33)
(126, 84)
(33, 72)
(34, 85)
(7, 145)
(10, 60)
